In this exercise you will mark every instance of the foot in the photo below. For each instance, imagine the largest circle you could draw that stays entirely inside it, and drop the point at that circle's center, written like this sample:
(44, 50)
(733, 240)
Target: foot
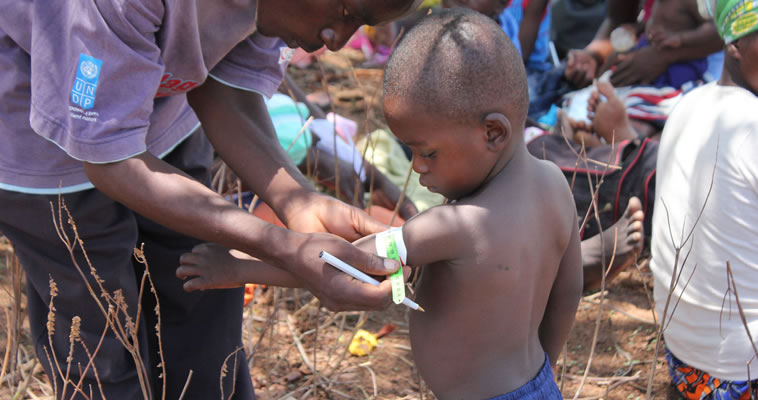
(629, 237)
(609, 118)
(211, 266)
(575, 131)
(587, 139)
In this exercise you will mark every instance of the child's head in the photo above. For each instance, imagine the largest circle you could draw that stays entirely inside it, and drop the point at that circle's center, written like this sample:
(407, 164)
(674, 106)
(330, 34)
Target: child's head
(490, 8)
(455, 91)
(331, 23)
(737, 23)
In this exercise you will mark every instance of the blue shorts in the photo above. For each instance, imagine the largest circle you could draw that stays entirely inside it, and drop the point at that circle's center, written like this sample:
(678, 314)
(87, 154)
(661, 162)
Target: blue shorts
(542, 387)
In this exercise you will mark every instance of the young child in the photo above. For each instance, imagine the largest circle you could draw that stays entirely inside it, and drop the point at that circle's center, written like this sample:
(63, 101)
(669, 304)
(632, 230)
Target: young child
(502, 274)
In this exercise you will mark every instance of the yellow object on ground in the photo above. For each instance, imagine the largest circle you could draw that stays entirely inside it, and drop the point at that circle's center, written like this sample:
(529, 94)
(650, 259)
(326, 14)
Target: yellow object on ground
(385, 153)
(363, 343)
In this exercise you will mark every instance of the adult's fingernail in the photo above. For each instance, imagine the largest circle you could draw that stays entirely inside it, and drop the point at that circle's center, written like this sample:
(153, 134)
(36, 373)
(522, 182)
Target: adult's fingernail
(391, 265)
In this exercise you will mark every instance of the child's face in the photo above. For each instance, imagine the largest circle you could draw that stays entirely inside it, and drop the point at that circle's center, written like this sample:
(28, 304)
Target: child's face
(451, 157)
(315, 23)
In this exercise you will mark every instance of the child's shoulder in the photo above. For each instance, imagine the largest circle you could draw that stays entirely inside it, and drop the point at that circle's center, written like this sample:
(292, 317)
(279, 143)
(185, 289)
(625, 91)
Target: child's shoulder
(553, 191)
(439, 234)
(551, 175)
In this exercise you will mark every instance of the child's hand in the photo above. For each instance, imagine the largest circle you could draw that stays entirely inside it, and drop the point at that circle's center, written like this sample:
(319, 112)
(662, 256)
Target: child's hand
(211, 266)
(672, 41)
(664, 40)
(581, 67)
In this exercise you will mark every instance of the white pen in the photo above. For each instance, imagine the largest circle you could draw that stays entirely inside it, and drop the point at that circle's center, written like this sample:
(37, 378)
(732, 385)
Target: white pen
(355, 273)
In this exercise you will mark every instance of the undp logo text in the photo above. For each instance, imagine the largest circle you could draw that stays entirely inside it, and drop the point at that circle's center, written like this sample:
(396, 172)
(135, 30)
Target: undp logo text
(85, 85)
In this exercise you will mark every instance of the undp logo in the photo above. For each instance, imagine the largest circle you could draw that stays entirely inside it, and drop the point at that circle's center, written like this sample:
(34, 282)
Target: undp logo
(89, 69)
(85, 84)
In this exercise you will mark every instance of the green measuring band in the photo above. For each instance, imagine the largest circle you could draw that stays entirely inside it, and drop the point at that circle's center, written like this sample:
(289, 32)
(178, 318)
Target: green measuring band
(396, 279)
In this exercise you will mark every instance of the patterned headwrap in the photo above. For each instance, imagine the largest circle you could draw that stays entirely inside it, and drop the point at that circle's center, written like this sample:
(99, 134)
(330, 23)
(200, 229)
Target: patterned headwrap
(734, 18)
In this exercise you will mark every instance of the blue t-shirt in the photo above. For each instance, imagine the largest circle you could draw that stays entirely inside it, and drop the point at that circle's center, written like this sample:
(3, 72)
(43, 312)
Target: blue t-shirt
(513, 15)
(510, 27)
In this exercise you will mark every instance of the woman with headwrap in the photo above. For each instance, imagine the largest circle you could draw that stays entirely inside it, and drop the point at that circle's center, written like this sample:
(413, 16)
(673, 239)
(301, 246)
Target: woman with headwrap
(711, 139)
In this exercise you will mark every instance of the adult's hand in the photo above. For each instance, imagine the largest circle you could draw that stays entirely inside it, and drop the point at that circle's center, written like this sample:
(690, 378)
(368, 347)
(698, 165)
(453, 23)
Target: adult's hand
(326, 214)
(335, 289)
(581, 67)
(641, 66)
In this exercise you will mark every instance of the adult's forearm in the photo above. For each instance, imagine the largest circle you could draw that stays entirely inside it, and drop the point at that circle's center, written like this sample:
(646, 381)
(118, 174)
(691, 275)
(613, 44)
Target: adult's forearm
(240, 129)
(166, 195)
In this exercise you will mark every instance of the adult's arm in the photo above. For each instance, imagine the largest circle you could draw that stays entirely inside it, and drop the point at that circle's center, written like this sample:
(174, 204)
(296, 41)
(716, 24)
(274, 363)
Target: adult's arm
(705, 38)
(530, 26)
(646, 64)
(239, 127)
(166, 195)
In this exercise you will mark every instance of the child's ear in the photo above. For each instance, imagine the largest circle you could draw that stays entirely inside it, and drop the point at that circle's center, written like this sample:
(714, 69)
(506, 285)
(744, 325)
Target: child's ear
(498, 131)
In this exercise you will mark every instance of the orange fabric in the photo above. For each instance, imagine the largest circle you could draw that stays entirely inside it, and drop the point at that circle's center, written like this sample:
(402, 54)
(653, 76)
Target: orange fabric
(250, 292)
(264, 212)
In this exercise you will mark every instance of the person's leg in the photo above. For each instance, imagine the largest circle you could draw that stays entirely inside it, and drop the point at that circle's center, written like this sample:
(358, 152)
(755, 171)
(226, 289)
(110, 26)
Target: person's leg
(108, 231)
(198, 330)
(625, 236)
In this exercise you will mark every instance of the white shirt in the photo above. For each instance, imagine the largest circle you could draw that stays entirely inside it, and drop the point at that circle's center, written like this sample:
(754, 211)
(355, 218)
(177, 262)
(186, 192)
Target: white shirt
(710, 117)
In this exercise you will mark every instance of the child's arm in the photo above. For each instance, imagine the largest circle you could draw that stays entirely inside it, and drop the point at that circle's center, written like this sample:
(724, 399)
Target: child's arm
(429, 237)
(211, 266)
(704, 35)
(564, 299)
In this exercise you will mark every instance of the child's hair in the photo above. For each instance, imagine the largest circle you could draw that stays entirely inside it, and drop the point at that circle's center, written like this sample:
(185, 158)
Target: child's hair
(458, 64)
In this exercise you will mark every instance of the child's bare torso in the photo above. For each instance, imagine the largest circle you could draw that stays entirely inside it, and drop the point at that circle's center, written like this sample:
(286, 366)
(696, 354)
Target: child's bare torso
(479, 335)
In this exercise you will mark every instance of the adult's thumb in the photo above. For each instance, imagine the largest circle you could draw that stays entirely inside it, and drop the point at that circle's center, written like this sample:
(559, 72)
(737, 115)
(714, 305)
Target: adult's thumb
(375, 265)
